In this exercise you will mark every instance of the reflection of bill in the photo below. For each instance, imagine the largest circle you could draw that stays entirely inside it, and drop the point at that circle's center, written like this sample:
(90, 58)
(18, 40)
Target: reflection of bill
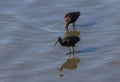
(70, 63)
(72, 33)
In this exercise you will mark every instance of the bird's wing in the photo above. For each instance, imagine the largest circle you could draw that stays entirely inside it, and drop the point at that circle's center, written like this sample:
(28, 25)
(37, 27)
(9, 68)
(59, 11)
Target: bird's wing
(67, 40)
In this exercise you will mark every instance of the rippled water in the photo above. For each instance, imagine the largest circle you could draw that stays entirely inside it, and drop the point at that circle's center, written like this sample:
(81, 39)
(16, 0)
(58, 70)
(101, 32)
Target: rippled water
(29, 29)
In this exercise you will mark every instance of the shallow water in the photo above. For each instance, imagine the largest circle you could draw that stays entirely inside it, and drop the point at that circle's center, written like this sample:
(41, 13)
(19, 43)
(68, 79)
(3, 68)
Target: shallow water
(29, 29)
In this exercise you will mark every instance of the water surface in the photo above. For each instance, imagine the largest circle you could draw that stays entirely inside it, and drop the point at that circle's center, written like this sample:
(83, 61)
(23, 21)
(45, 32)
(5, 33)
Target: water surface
(29, 29)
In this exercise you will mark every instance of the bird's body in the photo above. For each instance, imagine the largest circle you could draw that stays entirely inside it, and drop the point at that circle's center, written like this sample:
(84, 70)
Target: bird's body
(68, 41)
(71, 17)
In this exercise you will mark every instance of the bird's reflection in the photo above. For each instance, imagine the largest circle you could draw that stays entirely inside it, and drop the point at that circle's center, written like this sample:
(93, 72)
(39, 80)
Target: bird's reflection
(70, 63)
(71, 17)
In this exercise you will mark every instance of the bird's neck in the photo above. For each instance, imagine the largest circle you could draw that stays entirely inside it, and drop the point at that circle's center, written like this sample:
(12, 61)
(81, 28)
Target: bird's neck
(61, 42)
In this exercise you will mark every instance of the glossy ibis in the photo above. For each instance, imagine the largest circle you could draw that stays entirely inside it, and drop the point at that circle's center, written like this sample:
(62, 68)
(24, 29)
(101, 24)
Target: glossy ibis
(71, 17)
(68, 41)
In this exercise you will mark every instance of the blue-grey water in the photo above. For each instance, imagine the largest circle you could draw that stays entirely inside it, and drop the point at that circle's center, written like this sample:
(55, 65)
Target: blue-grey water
(29, 29)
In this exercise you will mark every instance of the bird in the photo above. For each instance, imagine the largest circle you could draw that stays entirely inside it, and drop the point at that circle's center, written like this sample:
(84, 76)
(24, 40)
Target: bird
(71, 17)
(68, 42)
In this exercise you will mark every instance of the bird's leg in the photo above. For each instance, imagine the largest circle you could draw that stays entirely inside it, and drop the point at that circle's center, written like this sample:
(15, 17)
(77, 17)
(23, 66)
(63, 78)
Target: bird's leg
(74, 26)
(69, 52)
(73, 51)
(69, 49)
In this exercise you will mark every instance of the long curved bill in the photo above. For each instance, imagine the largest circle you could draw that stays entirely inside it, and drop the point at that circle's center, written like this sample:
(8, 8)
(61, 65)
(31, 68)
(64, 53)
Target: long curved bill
(55, 43)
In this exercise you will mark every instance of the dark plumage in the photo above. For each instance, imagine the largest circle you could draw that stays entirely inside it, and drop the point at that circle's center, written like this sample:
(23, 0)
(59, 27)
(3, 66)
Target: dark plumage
(71, 17)
(68, 41)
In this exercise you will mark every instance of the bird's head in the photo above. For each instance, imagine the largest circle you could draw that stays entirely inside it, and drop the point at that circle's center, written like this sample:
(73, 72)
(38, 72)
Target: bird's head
(59, 39)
